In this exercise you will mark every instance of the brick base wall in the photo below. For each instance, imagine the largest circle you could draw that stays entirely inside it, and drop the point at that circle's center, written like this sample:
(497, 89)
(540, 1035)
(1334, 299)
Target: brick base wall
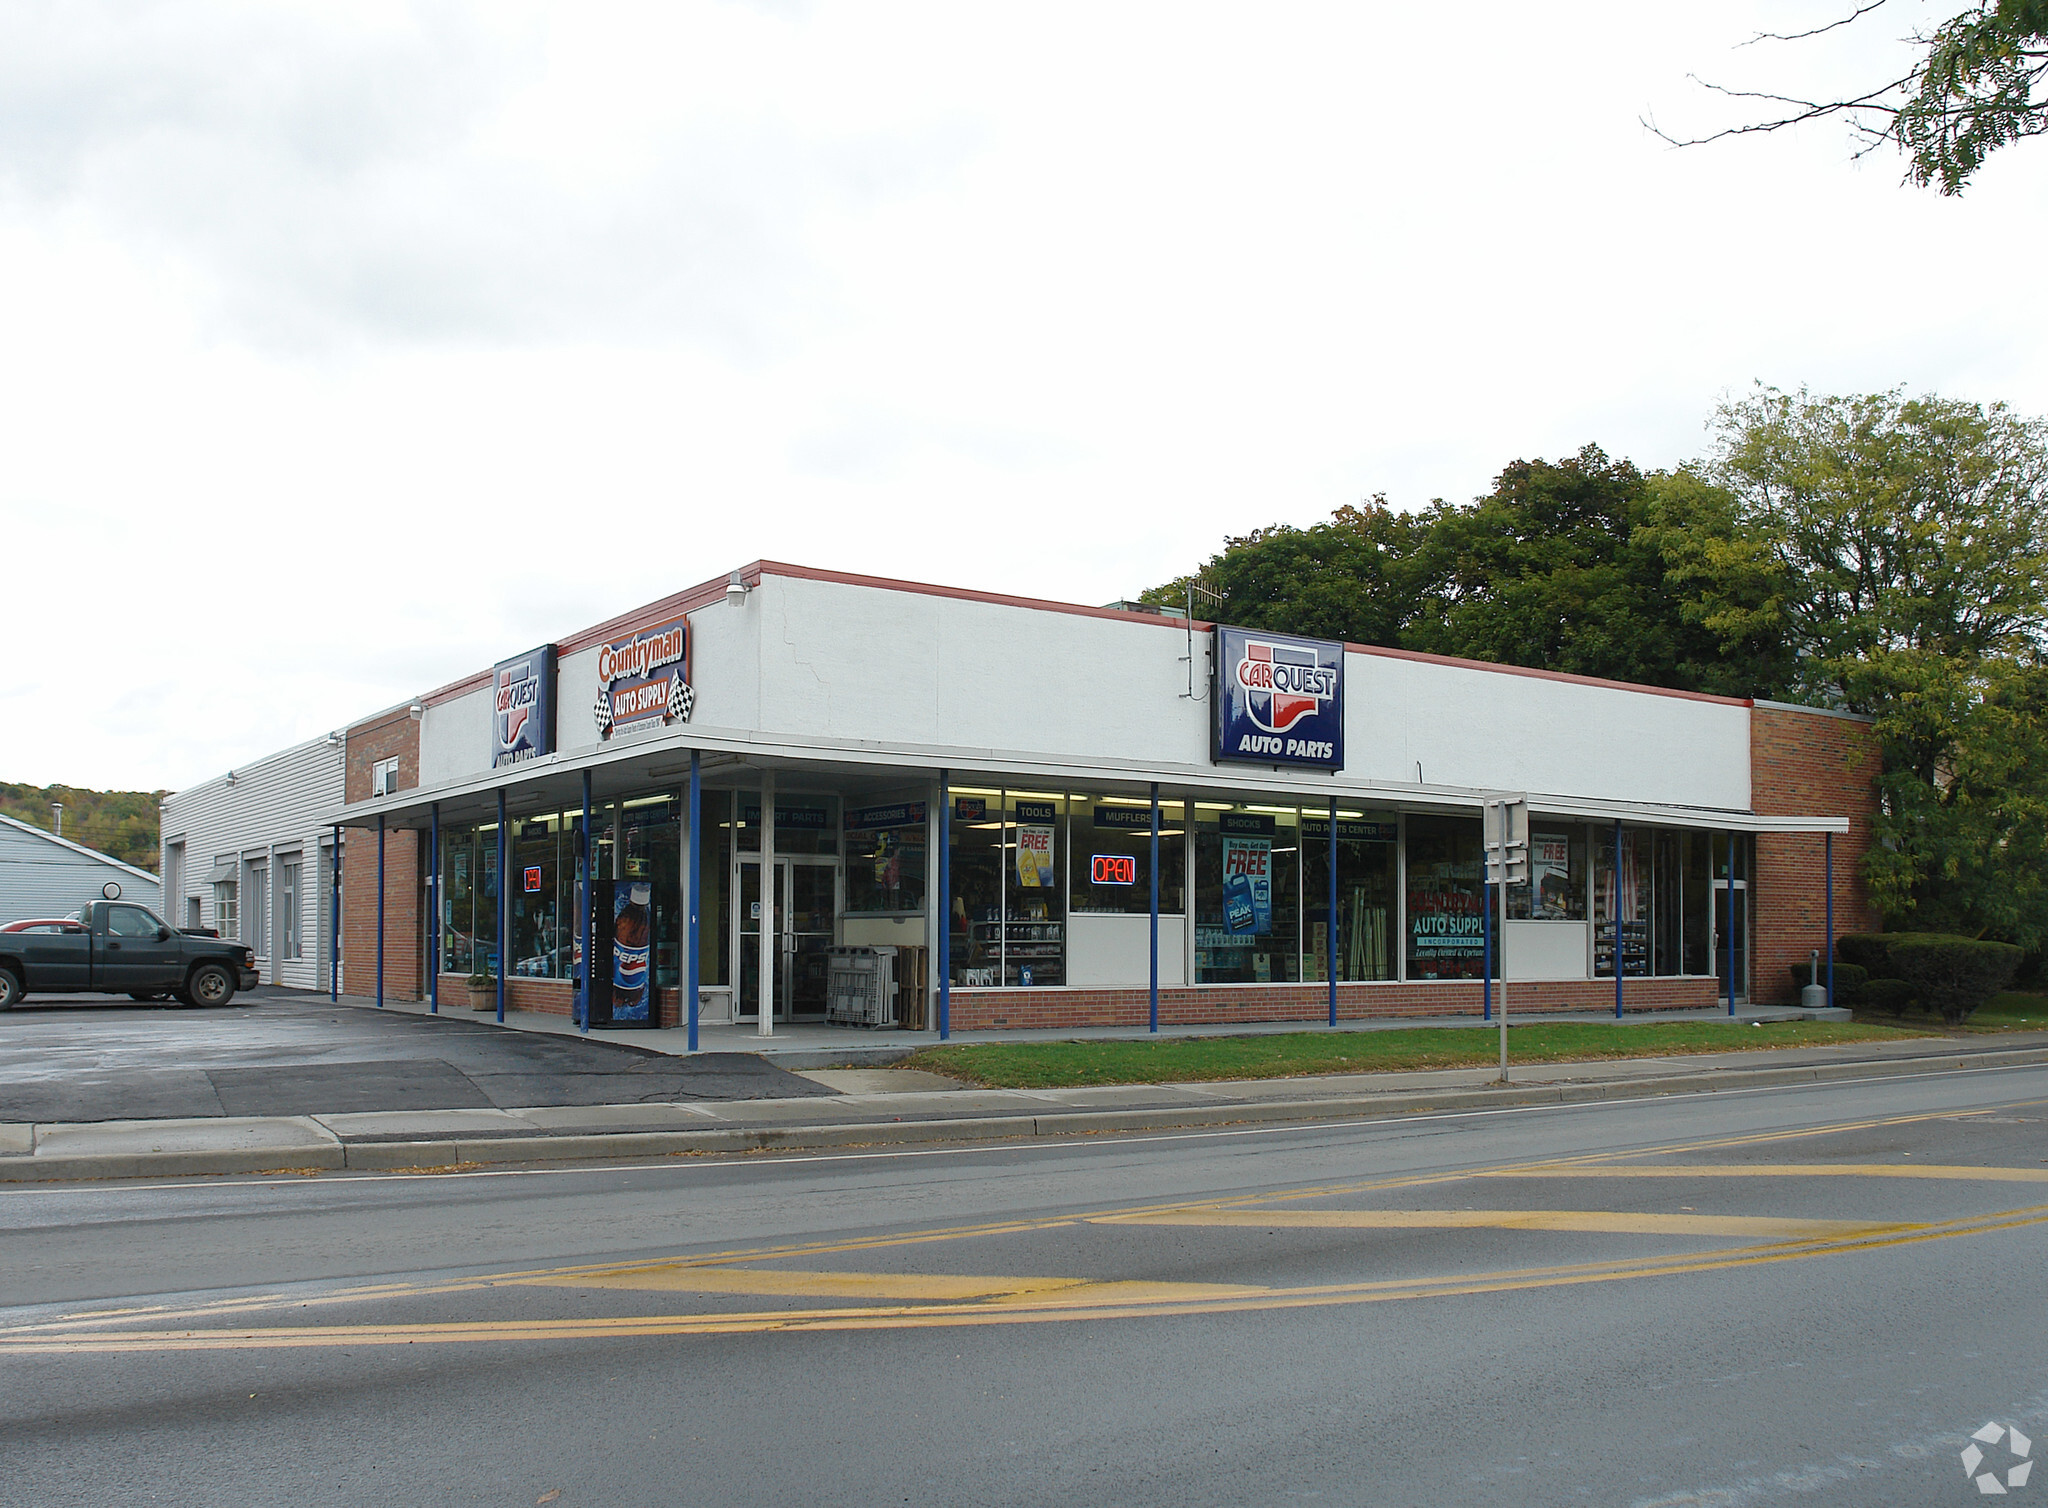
(547, 997)
(985, 1010)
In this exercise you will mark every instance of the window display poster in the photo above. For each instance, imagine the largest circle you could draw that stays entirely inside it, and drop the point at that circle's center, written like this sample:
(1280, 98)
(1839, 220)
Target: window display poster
(1550, 865)
(1034, 857)
(1248, 885)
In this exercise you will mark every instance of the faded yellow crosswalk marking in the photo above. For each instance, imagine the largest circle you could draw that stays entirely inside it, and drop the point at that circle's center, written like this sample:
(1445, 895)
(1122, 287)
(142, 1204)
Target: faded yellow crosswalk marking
(1623, 1222)
(897, 1287)
(1962, 1172)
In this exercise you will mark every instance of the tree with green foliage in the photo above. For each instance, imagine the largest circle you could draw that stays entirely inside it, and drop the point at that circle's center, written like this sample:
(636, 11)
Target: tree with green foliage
(1978, 83)
(121, 824)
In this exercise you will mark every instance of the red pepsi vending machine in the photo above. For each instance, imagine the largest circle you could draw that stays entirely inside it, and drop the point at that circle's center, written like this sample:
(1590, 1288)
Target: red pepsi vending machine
(621, 953)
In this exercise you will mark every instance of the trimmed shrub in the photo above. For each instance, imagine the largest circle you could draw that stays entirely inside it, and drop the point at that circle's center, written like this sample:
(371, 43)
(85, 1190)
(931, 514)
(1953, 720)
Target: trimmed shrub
(1953, 975)
(1868, 950)
(1849, 979)
(1887, 997)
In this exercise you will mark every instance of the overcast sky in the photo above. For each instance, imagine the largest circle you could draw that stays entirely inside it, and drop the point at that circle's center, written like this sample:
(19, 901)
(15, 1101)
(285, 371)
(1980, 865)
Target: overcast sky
(346, 348)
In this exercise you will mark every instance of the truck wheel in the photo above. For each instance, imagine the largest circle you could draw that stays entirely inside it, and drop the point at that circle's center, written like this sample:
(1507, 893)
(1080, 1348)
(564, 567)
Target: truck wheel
(10, 989)
(210, 985)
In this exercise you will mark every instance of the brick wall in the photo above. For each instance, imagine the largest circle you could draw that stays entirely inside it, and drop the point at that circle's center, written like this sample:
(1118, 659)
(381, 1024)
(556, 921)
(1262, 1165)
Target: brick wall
(393, 735)
(1807, 764)
(981, 1010)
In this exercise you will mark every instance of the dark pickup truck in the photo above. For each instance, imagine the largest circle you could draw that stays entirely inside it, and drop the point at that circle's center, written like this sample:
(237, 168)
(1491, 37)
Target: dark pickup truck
(118, 947)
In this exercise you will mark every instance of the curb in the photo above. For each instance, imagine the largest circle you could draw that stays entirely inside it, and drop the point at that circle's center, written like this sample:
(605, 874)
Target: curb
(442, 1152)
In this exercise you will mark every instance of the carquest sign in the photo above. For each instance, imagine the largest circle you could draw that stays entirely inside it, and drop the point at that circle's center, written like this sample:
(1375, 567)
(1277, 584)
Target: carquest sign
(1279, 699)
(523, 707)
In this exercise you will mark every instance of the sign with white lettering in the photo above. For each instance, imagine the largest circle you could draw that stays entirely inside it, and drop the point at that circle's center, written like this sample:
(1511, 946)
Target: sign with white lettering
(645, 676)
(523, 707)
(1279, 699)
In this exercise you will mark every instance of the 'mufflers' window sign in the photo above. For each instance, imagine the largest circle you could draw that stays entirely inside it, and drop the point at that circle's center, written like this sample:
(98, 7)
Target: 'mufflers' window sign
(523, 707)
(1279, 699)
(645, 676)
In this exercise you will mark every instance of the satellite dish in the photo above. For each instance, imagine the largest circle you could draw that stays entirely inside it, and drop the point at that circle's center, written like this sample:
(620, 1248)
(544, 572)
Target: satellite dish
(111, 890)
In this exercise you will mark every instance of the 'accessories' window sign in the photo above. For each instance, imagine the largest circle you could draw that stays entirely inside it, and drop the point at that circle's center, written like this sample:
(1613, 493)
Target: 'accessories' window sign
(645, 677)
(1279, 699)
(523, 707)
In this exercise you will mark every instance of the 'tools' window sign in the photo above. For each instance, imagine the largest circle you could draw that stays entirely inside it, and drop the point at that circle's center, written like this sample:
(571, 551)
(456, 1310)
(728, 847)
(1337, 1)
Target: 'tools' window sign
(1279, 699)
(644, 677)
(523, 707)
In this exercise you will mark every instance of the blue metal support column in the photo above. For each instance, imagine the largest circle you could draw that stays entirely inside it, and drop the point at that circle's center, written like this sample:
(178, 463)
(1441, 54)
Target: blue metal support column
(696, 880)
(334, 921)
(1155, 907)
(504, 908)
(434, 925)
(945, 905)
(1619, 967)
(1728, 922)
(583, 903)
(1828, 871)
(380, 912)
(1330, 933)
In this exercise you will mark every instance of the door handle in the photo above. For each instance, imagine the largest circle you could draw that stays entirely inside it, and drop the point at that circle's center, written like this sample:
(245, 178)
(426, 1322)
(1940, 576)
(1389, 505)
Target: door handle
(113, 947)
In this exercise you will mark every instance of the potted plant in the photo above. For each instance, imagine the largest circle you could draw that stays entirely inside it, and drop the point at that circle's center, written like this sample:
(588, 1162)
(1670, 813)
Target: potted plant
(483, 992)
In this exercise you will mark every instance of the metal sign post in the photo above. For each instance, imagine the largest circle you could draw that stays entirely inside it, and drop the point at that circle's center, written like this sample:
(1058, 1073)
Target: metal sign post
(1507, 863)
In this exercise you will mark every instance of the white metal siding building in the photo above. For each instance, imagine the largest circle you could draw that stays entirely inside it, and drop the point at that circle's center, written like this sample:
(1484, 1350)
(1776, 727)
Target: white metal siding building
(246, 854)
(42, 874)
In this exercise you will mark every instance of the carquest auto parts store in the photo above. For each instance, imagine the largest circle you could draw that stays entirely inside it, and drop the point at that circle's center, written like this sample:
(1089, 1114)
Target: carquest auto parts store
(977, 776)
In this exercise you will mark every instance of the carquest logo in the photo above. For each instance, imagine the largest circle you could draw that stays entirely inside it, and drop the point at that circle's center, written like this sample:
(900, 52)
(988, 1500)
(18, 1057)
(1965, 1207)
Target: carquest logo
(2017, 1448)
(1283, 684)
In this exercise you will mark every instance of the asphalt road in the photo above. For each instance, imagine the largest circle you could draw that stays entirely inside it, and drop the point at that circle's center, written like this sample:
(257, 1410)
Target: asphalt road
(278, 1052)
(1809, 1295)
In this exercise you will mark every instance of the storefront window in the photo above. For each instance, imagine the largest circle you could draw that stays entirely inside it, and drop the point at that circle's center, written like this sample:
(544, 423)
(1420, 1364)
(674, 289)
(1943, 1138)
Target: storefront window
(1111, 855)
(1035, 844)
(1445, 898)
(1697, 939)
(975, 912)
(1629, 900)
(543, 906)
(714, 915)
(653, 853)
(1367, 843)
(484, 923)
(885, 858)
(1667, 910)
(1247, 894)
(1556, 891)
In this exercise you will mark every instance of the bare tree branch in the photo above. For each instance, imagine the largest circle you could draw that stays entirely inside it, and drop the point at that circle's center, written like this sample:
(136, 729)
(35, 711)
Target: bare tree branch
(1801, 36)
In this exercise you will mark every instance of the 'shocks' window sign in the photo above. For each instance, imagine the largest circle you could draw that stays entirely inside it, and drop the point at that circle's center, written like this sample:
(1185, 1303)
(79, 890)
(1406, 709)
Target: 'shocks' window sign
(643, 677)
(1279, 699)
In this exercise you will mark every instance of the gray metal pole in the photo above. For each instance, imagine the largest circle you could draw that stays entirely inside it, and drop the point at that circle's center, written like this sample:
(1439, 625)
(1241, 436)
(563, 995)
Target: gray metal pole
(380, 912)
(1618, 969)
(945, 905)
(769, 938)
(334, 921)
(434, 925)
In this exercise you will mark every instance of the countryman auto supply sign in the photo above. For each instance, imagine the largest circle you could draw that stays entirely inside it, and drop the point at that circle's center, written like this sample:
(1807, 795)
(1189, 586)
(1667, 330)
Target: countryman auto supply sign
(523, 707)
(644, 678)
(1279, 699)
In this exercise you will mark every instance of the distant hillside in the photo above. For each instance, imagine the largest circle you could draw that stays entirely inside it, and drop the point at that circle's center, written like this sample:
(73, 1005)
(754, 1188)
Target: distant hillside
(120, 823)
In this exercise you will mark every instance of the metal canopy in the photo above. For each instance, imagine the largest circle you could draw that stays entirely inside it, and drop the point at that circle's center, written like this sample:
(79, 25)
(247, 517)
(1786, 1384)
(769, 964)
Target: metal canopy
(737, 759)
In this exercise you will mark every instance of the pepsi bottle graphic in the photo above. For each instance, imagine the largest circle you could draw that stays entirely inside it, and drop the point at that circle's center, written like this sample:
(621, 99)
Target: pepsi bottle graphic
(631, 931)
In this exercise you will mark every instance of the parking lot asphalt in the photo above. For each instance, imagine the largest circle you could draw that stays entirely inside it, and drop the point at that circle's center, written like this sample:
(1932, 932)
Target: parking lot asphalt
(281, 1052)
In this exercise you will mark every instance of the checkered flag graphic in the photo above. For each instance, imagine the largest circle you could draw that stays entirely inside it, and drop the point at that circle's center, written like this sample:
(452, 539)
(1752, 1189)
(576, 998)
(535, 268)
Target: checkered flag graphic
(682, 698)
(602, 711)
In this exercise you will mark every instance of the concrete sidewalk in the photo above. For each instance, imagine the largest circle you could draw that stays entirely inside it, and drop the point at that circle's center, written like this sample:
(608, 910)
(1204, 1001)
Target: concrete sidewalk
(885, 1106)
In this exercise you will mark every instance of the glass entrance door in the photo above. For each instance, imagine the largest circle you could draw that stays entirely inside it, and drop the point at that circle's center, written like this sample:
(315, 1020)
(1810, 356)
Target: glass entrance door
(1739, 921)
(803, 925)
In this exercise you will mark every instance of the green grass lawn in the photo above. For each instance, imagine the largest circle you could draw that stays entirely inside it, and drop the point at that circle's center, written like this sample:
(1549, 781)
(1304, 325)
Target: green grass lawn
(1049, 1065)
(2013, 1011)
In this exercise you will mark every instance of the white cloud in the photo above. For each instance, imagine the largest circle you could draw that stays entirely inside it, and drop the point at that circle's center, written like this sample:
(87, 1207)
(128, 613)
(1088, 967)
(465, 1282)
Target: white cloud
(352, 347)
